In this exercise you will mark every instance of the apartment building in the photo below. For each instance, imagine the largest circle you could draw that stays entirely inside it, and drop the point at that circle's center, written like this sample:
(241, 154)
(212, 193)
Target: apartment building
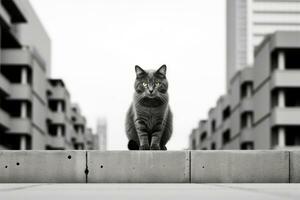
(249, 21)
(35, 110)
(102, 134)
(262, 107)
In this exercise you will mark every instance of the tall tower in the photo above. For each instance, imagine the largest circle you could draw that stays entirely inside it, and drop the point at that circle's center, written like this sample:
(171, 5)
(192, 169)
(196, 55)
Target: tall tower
(249, 21)
(101, 132)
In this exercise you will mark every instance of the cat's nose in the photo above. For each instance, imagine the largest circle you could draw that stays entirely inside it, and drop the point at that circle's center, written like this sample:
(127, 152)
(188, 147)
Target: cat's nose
(151, 89)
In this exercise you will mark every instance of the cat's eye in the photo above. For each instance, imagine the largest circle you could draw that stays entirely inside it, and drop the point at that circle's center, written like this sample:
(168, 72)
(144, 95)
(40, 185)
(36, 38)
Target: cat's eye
(157, 83)
(145, 84)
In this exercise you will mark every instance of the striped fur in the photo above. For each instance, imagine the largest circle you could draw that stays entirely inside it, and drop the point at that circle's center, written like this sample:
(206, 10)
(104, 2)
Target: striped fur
(149, 118)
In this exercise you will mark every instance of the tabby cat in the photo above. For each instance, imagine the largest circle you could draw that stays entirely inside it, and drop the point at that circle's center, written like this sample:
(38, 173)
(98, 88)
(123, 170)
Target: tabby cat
(149, 118)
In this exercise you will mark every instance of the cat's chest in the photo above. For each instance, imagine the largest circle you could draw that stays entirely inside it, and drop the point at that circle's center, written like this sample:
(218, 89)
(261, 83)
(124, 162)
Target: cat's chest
(151, 117)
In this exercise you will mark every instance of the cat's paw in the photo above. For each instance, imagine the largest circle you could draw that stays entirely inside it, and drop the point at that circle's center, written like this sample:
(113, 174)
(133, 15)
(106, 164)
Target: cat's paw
(155, 147)
(144, 147)
(164, 148)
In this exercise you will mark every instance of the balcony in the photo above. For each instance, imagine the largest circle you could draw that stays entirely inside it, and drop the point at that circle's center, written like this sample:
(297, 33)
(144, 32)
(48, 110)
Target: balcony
(56, 142)
(226, 124)
(9, 39)
(50, 115)
(59, 93)
(285, 78)
(5, 16)
(287, 148)
(246, 105)
(80, 120)
(20, 92)
(58, 118)
(20, 126)
(4, 119)
(15, 10)
(4, 84)
(205, 144)
(247, 75)
(16, 57)
(285, 116)
(247, 135)
(80, 138)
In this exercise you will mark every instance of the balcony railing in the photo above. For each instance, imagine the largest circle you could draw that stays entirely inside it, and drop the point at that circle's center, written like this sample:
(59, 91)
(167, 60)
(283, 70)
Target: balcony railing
(285, 78)
(20, 126)
(285, 116)
(21, 92)
(4, 119)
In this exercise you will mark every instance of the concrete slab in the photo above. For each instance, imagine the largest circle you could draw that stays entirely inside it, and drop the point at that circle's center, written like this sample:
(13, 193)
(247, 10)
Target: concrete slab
(42, 166)
(138, 167)
(295, 166)
(150, 191)
(239, 166)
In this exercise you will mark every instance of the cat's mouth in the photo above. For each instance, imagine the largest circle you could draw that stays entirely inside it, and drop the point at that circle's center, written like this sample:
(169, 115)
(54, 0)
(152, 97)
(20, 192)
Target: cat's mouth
(151, 101)
(151, 96)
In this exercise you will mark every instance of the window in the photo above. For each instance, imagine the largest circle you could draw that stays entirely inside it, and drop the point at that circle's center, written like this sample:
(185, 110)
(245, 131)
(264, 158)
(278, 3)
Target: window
(54, 105)
(292, 97)
(203, 136)
(292, 135)
(226, 137)
(213, 146)
(193, 144)
(246, 90)
(53, 130)
(226, 113)
(14, 73)
(246, 120)
(213, 126)
(73, 119)
(292, 60)
(247, 146)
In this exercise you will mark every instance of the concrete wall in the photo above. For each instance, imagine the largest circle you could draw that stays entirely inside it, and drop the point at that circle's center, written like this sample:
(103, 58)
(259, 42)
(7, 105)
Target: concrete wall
(233, 144)
(295, 167)
(33, 33)
(262, 65)
(262, 102)
(235, 122)
(235, 92)
(262, 134)
(42, 166)
(239, 167)
(150, 166)
(138, 167)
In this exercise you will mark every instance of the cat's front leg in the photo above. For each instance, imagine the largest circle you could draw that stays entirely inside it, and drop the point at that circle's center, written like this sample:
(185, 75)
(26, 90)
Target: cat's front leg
(143, 135)
(155, 141)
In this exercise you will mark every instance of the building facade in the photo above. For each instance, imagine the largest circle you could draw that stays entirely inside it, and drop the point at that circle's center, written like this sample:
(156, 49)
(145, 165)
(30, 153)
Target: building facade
(35, 110)
(262, 107)
(102, 134)
(249, 21)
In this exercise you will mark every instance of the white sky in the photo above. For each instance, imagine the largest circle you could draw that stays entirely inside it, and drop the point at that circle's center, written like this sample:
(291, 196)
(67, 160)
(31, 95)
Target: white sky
(97, 43)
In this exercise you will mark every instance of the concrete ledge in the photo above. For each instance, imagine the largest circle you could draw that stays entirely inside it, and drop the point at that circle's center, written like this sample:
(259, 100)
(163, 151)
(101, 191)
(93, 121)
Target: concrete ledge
(239, 167)
(42, 166)
(138, 167)
(150, 166)
(295, 166)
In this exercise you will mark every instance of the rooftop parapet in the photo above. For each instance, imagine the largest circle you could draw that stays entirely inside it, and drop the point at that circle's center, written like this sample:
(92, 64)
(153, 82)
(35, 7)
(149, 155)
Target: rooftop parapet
(150, 166)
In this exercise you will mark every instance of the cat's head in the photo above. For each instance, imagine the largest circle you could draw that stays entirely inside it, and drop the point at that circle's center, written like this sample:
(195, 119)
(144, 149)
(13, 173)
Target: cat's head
(151, 83)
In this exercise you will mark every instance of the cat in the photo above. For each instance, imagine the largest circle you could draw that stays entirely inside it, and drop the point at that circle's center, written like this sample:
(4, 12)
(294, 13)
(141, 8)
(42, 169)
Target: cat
(149, 118)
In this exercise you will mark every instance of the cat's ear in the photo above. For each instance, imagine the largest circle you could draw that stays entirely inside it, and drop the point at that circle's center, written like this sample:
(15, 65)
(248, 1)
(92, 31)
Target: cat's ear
(139, 71)
(162, 70)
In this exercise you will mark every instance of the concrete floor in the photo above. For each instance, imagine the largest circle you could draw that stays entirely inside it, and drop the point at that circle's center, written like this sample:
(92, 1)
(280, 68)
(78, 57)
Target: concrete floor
(150, 191)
